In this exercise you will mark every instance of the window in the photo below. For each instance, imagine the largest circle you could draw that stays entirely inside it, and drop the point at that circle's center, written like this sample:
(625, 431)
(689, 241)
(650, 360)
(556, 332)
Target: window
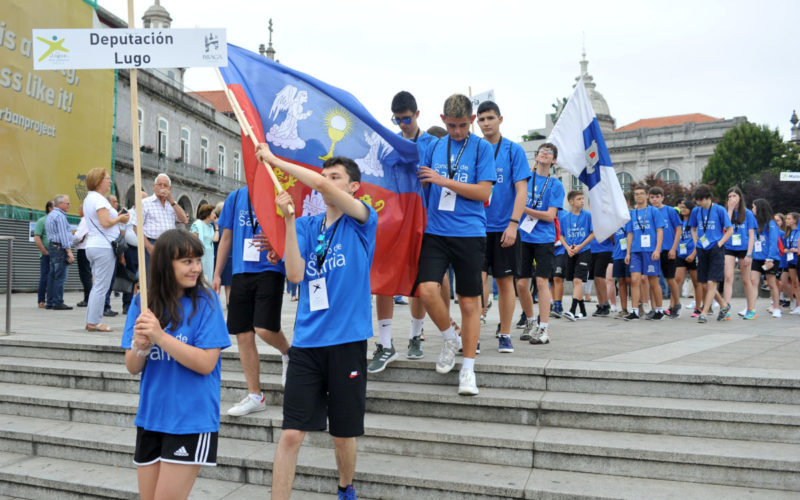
(221, 159)
(577, 185)
(669, 176)
(141, 127)
(237, 165)
(163, 136)
(204, 152)
(625, 180)
(185, 136)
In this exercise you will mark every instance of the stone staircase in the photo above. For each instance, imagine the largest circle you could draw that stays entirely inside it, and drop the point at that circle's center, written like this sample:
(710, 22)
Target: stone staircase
(539, 429)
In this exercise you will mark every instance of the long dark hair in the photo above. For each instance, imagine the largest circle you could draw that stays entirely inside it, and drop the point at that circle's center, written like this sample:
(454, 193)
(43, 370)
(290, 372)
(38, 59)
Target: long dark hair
(763, 213)
(740, 208)
(689, 204)
(163, 290)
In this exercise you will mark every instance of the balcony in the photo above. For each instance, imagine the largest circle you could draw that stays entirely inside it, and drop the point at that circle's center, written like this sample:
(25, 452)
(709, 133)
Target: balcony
(181, 172)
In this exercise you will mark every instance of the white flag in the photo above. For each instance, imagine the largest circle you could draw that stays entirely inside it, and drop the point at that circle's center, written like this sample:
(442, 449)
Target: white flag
(582, 151)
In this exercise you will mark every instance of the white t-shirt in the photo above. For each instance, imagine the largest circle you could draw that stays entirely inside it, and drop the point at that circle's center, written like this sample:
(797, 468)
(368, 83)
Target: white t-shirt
(130, 236)
(99, 236)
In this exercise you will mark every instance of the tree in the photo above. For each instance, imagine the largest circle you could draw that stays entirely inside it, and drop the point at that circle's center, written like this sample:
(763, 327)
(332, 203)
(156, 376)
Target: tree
(673, 192)
(744, 151)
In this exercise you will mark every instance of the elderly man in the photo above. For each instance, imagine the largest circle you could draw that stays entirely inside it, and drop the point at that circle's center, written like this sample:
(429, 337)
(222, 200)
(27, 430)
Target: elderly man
(60, 243)
(159, 213)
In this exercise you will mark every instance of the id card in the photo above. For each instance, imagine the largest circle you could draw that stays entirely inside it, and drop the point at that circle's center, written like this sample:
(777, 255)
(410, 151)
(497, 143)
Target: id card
(789, 257)
(645, 242)
(682, 250)
(528, 223)
(623, 243)
(447, 200)
(757, 246)
(736, 240)
(250, 252)
(317, 295)
(704, 241)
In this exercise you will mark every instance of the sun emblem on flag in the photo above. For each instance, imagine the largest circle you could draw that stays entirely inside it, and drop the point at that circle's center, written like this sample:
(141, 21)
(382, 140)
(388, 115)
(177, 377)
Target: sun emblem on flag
(339, 124)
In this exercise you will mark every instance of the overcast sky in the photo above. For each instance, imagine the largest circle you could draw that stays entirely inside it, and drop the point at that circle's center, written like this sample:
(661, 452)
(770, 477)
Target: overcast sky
(721, 58)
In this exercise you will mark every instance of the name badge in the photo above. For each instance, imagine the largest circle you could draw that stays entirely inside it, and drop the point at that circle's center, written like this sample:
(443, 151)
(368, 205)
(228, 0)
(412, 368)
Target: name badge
(757, 246)
(704, 241)
(789, 257)
(736, 240)
(447, 200)
(528, 223)
(250, 252)
(645, 241)
(623, 243)
(317, 295)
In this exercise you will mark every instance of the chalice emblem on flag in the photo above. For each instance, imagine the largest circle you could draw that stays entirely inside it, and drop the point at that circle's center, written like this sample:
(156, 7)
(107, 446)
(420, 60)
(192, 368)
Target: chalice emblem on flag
(339, 124)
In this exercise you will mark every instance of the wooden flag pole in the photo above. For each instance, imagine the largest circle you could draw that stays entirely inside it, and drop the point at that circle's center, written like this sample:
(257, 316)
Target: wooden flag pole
(137, 175)
(248, 131)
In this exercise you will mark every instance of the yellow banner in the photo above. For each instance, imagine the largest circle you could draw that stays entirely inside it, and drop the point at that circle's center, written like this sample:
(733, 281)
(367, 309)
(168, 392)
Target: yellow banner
(54, 125)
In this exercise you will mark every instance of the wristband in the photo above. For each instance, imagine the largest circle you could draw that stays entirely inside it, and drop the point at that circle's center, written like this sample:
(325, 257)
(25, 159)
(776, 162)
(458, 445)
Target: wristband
(514, 220)
(173, 203)
(749, 256)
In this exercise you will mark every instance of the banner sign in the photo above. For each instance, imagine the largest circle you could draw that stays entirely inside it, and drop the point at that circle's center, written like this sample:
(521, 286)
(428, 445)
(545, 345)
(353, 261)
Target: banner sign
(790, 176)
(128, 48)
(477, 99)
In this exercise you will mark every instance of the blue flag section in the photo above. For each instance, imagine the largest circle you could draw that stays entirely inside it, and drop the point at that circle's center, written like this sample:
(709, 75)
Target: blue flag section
(307, 121)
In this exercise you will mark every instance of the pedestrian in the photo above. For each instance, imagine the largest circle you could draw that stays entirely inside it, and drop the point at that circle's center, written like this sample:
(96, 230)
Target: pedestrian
(59, 239)
(107, 311)
(40, 240)
(793, 257)
(577, 234)
(176, 343)
(687, 258)
(160, 212)
(203, 228)
(226, 276)
(669, 249)
(740, 247)
(84, 268)
(645, 238)
(766, 254)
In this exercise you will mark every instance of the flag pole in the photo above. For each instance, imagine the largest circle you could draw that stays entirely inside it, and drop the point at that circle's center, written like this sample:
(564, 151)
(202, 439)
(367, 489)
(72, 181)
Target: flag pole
(248, 131)
(137, 175)
(472, 124)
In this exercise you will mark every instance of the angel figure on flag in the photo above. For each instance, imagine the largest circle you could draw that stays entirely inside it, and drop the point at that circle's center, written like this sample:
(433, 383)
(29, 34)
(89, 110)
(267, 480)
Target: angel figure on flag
(370, 164)
(290, 100)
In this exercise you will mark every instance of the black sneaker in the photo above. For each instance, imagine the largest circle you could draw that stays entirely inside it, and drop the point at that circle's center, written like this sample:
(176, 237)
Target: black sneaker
(675, 312)
(632, 316)
(497, 333)
(109, 313)
(650, 314)
(82, 303)
(522, 320)
(658, 316)
(603, 311)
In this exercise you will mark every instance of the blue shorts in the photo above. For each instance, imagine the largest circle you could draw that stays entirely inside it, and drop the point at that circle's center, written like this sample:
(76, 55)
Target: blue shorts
(621, 269)
(642, 263)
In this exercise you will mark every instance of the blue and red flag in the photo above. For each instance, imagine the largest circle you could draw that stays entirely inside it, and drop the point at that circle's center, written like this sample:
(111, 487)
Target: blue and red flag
(306, 121)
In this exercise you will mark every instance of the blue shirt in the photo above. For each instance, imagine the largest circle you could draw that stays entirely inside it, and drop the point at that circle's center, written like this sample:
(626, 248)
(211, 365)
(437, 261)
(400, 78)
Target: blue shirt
(768, 247)
(57, 228)
(686, 243)
(543, 193)
(712, 223)
(468, 219)
(576, 228)
(173, 398)
(511, 166)
(741, 232)
(423, 142)
(671, 221)
(645, 222)
(236, 217)
(346, 268)
(620, 235)
(791, 242)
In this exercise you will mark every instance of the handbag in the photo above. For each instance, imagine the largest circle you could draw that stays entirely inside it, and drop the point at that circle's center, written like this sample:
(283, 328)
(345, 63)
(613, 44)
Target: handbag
(118, 246)
(125, 280)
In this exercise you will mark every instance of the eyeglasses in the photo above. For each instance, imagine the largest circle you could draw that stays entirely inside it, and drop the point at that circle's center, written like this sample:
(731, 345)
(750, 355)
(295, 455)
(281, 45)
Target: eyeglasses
(406, 120)
(545, 151)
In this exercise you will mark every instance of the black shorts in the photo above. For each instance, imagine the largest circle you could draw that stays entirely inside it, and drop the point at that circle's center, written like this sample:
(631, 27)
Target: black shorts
(621, 269)
(327, 382)
(499, 261)
(255, 302)
(560, 262)
(739, 254)
(711, 264)
(542, 253)
(667, 265)
(189, 449)
(464, 253)
(600, 262)
(681, 262)
(758, 265)
(578, 266)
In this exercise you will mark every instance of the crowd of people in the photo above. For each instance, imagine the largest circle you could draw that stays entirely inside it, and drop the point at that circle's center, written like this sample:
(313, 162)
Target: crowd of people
(490, 216)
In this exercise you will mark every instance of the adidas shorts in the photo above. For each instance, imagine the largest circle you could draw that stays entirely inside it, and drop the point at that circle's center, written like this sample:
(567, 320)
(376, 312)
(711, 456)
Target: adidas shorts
(190, 449)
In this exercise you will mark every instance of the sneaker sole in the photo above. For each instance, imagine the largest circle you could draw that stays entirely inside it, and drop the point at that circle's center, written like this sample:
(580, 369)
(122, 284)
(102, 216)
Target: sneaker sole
(571, 318)
(505, 350)
(383, 367)
(414, 356)
(467, 391)
(262, 408)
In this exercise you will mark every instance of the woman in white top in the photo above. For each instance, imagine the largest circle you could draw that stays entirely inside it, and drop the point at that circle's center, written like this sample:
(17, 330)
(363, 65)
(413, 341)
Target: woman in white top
(203, 228)
(102, 220)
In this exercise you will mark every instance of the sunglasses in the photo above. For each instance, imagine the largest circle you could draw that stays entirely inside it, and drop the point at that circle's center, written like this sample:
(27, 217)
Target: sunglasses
(545, 151)
(320, 248)
(405, 120)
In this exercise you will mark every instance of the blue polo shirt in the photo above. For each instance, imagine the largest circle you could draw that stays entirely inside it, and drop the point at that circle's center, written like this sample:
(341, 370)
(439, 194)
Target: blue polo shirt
(766, 244)
(741, 231)
(511, 166)
(645, 222)
(576, 228)
(543, 193)
(686, 243)
(710, 223)
(671, 221)
(620, 235)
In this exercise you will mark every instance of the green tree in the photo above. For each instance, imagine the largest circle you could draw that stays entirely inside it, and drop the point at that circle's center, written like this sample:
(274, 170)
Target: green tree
(743, 152)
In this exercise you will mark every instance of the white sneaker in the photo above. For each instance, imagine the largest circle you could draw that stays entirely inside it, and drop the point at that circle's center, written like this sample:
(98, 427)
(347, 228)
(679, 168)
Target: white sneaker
(743, 312)
(284, 369)
(247, 405)
(466, 383)
(447, 358)
(776, 313)
(796, 310)
(693, 305)
(569, 316)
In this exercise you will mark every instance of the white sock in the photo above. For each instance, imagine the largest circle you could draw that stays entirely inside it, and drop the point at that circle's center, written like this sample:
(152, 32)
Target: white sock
(284, 357)
(450, 334)
(531, 321)
(385, 332)
(468, 364)
(635, 310)
(544, 325)
(257, 397)
(416, 327)
(659, 309)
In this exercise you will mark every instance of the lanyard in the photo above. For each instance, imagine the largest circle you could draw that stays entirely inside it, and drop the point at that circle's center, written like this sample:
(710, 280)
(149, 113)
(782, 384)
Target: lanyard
(497, 148)
(452, 173)
(416, 136)
(253, 224)
(705, 223)
(641, 224)
(686, 231)
(321, 258)
(544, 188)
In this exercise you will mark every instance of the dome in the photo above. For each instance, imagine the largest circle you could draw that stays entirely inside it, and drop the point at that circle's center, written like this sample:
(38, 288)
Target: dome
(156, 16)
(599, 103)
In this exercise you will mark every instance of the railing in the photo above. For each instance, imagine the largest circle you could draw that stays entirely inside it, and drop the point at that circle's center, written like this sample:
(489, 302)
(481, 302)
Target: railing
(10, 240)
(182, 171)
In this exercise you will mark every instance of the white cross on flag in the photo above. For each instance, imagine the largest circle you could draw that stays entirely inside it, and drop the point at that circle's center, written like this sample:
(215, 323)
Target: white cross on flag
(582, 151)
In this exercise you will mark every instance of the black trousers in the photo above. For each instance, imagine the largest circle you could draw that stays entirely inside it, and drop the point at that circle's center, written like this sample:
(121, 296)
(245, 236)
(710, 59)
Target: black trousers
(85, 273)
